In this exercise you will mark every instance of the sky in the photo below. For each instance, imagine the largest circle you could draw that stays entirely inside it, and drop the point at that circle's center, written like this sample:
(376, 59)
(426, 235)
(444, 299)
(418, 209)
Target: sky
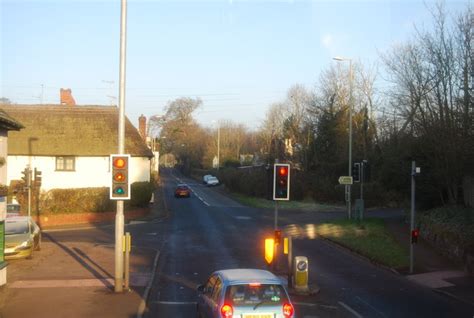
(239, 57)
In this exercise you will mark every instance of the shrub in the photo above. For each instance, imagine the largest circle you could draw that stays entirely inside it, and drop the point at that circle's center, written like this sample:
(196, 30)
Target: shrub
(141, 194)
(78, 200)
(450, 228)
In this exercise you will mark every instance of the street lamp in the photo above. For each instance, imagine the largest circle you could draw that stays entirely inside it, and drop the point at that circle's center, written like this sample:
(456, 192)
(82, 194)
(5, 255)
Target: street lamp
(348, 187)
(218, 143)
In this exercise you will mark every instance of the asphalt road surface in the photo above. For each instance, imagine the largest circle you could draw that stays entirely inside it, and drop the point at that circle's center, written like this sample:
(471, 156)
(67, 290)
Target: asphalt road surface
(209, 231)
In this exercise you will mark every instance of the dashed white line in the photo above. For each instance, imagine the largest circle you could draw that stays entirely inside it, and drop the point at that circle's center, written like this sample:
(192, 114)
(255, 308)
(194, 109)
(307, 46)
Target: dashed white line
(349, 309)
(195, 194)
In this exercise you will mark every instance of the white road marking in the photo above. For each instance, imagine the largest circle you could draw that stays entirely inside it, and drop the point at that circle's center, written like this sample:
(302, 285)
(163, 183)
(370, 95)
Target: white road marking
(349, 309)
(370, 306)
(315, 305)
(135, 280)
(241, 217)
(175, 303)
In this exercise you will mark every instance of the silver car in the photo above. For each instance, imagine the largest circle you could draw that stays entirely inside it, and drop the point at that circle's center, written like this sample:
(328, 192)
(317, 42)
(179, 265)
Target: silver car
(244, 293)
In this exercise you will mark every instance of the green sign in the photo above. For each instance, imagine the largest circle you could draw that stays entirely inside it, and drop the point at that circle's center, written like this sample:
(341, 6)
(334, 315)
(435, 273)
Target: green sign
(2, 241)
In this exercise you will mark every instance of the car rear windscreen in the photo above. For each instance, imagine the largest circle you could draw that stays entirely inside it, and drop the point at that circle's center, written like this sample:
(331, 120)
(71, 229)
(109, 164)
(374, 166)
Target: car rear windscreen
(251, 294)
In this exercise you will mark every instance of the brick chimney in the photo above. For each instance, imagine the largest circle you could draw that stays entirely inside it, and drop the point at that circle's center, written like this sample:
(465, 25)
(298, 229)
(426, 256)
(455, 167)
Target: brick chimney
(66, 97)
(142, 126)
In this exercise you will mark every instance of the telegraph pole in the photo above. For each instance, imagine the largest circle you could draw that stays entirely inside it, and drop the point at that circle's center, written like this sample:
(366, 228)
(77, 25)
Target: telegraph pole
(119, 218)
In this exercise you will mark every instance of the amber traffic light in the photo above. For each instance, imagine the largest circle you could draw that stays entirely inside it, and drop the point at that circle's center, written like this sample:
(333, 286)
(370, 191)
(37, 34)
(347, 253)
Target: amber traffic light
(120, 185)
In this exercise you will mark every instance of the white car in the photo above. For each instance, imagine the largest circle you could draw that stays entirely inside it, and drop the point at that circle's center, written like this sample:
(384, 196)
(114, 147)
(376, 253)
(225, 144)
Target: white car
(205, 178)
(212, 181)
(243, 293)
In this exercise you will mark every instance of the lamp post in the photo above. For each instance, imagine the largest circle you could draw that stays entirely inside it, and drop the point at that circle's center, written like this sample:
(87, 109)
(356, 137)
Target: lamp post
(218, 143)
(348, 187)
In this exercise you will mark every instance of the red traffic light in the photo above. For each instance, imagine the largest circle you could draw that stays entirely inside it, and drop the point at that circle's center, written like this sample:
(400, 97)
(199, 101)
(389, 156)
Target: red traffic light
(414, 235)
(283, 171)
(120, 162)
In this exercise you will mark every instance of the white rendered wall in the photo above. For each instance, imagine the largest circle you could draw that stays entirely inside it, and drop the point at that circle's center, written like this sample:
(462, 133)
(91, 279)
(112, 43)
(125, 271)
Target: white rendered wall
(90, 172)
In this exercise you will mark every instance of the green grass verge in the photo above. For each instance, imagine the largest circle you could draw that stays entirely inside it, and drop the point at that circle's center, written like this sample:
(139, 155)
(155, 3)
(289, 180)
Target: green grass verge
(307, 205)
(369, 238)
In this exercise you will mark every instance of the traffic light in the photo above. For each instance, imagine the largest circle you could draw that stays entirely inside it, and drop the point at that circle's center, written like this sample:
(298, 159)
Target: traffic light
(366, 171)
(26, 176)
(37, 178)
(281, 182)
(414, 235)
(120, 186)
(356, 172)
(277, 236)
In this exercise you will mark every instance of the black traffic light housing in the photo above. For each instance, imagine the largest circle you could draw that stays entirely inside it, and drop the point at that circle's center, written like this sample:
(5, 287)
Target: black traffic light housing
(281, 182)
(356, 172)
(365, 171)
(415, 233)
(120, 185)
(26, 176)
(37, 178)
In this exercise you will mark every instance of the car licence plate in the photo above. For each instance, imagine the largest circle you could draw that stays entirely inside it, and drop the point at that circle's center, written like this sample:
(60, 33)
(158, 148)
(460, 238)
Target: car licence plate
(9, 250)
(258, 316)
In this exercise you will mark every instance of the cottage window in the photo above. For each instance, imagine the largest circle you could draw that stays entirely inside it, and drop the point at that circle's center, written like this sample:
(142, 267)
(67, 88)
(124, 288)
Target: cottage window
(65, 163)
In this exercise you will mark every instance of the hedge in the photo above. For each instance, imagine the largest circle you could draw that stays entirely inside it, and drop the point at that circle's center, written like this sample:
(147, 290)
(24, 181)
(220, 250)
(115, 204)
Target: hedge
(450, 228)
(79, 200)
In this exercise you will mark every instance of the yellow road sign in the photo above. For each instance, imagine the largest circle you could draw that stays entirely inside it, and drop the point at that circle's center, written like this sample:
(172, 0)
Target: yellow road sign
(345, 180)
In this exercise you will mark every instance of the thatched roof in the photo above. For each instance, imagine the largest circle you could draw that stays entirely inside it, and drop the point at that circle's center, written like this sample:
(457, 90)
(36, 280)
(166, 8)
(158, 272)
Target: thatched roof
(8, 123)
(54, 130)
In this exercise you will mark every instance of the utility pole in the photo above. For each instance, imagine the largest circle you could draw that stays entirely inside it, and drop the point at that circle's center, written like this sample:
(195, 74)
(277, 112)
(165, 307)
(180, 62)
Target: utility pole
(414, 171)
(218, 145)
(348, 186)
(349, 208)
(119, 218)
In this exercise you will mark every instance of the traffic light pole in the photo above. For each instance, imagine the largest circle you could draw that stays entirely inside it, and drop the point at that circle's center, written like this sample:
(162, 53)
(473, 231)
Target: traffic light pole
(412, 214)
(28, 184)
(119, 218)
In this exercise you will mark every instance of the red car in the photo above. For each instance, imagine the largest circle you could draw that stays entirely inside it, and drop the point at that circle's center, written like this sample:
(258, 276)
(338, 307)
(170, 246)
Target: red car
(182, 190)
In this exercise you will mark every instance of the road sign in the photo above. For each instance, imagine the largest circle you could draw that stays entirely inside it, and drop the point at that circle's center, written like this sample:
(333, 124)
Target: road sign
(345, 180)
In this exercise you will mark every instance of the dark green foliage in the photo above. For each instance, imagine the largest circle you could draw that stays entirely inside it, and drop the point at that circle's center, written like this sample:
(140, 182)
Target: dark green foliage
(76, 201)
(81, 200)
(231, 163)
(449, 224)
(140, 194)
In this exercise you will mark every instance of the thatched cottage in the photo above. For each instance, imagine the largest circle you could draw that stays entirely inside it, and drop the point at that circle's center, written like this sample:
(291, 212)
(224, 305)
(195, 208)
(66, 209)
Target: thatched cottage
(71, 145)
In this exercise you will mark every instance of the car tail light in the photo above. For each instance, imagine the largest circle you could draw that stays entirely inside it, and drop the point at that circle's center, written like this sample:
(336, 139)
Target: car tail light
(227, 311)
(288, 310)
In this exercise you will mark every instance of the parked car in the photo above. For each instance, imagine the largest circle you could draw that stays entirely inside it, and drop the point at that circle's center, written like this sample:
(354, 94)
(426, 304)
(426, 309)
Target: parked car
(212, 181)
(22, 236)
(205, 178)
(243, 293)
(182, 190)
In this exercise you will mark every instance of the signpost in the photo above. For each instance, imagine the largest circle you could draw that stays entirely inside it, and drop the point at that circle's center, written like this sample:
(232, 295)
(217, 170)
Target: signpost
(345, 180)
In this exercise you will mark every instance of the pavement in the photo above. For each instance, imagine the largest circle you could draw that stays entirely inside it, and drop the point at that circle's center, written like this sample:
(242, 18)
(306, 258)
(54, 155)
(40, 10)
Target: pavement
(431, 269)
(76, 279)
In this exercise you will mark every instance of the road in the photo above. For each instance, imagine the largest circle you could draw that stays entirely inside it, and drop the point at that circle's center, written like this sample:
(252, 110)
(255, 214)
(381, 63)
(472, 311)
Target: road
(209, 231)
